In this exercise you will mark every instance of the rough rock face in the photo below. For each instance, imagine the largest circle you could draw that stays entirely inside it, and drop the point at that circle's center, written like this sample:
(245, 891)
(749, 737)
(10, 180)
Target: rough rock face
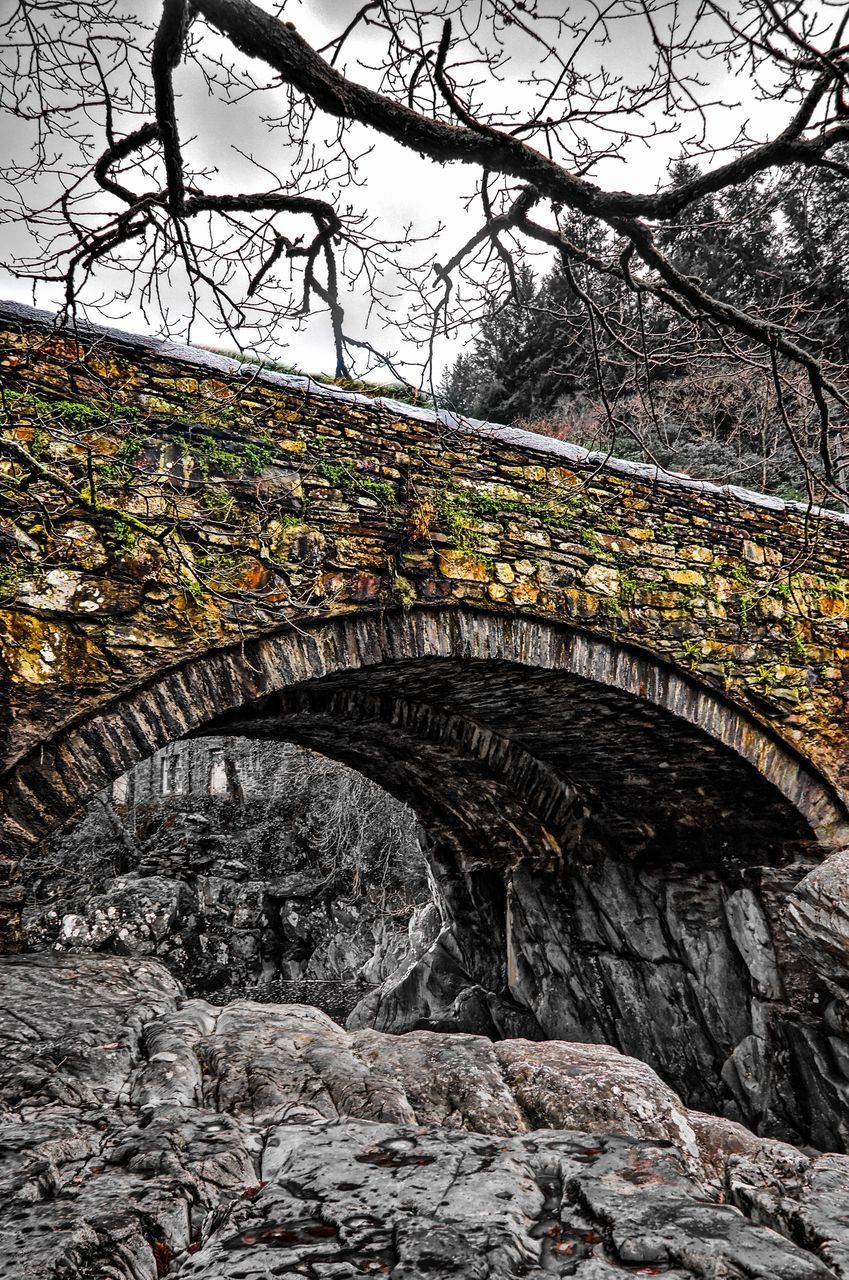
(145, 1134)
(696, 971)
(818, 915)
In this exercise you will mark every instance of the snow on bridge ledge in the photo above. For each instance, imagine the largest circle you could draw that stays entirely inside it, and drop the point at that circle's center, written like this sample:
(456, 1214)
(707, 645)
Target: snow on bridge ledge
(231, 367)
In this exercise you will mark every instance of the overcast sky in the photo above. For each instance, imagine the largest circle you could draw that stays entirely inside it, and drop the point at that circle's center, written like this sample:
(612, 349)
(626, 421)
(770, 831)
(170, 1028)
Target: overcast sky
(397, 186)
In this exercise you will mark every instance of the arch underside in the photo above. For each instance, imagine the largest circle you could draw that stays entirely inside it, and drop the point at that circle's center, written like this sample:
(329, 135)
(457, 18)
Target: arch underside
(526, 762)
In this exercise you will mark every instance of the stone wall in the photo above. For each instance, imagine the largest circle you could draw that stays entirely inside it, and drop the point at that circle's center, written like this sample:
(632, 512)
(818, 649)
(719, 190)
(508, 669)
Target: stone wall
(195, 504)
(243, 771)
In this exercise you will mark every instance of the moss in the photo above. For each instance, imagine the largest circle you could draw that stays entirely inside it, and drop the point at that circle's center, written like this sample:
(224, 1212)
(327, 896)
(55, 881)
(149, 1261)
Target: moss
(217, 563)
(628, 588)
(765, 677)
(692, 651)
(77, 414)
(210, 454)
(798, 648)
(122, 535)
(405, 591)
(460, 508)
(217, 501)
(39, 445)
(342, 476)
(257, 457)
(12, 574)
(119, 468)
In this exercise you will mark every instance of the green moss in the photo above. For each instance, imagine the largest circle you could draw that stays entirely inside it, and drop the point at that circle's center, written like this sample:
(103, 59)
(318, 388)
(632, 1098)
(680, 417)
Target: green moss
(765, 677)
(12, 574)
(798, 647)
(628, 588)
(257, 457)
(119, 468)
(122, 535)
(40, 443)
(461, 508)
(215, 562)
(217, 501)
(405, 591)
(75, 413)
(692, 651)
(210, 454)
(79, 415)
(342, 476)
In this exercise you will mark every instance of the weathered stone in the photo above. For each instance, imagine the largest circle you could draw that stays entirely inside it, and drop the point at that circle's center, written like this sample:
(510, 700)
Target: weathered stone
(146, 1134)
(818, 914)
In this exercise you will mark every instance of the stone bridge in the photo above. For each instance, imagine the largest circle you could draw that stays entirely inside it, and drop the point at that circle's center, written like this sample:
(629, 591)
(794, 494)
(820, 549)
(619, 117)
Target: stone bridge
(569, 665)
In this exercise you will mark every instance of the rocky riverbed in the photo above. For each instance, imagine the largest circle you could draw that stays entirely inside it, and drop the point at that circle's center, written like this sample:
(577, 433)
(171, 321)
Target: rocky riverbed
(178, 1095)
(147, 1134)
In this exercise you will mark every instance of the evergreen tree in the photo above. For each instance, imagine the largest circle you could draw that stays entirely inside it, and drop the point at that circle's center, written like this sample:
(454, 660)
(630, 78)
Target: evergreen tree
(816, 255)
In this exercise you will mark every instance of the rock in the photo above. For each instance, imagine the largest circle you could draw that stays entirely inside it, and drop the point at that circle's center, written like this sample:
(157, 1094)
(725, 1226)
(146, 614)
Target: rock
(146, 1134)
(346, 1199)
(596, 1089)
(817, 912)
(133, 915)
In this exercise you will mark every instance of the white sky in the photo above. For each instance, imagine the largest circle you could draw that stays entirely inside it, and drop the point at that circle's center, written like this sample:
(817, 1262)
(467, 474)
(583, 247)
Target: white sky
(399, 187)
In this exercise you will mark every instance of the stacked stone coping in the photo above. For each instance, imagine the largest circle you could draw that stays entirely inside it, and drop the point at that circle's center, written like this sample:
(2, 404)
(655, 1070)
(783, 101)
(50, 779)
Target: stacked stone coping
(513, 436)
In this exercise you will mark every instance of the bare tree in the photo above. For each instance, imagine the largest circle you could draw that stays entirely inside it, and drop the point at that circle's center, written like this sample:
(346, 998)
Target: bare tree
(540, 102)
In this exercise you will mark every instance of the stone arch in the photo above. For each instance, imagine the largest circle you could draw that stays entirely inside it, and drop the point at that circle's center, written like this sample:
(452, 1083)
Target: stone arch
(559, 774)
(228, 687)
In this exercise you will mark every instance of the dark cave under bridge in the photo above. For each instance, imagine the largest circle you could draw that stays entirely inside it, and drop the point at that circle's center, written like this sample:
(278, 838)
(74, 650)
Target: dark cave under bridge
(521, 639)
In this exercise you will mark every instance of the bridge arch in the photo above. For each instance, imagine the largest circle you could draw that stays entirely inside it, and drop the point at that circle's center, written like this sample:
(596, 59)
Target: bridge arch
(447, 677)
